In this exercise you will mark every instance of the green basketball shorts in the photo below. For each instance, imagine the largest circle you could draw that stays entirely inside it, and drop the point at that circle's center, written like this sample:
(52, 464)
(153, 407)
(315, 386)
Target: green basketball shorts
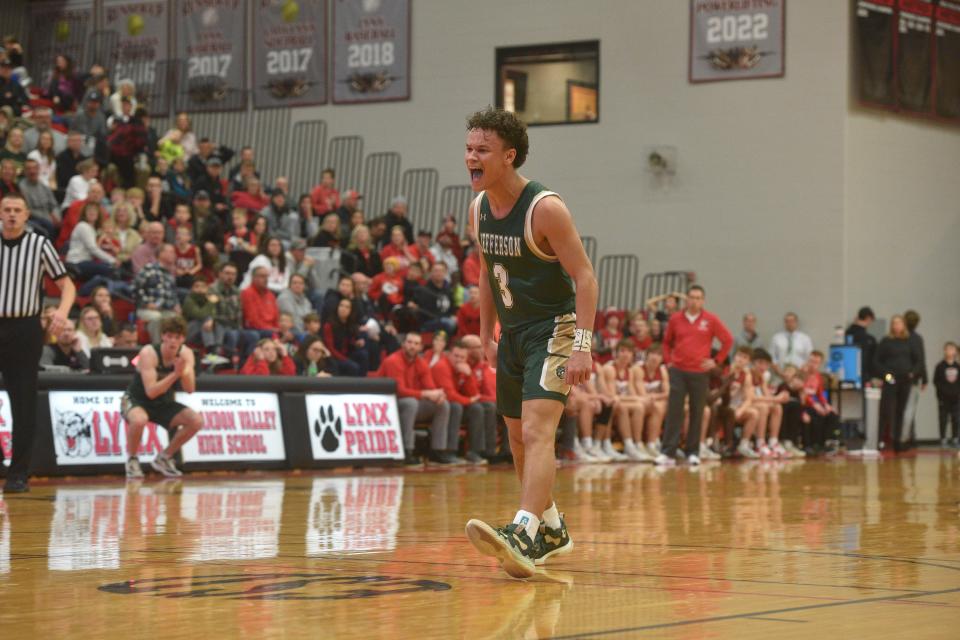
(531, 363)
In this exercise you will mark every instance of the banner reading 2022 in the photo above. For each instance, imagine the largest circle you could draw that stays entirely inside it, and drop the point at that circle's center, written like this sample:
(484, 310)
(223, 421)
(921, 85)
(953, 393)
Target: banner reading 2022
(371, 50)
(736, 39)
(211, 48)
(289, 53)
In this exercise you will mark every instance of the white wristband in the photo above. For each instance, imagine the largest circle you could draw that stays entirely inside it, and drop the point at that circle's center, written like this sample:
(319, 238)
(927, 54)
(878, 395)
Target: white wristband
(582, 340)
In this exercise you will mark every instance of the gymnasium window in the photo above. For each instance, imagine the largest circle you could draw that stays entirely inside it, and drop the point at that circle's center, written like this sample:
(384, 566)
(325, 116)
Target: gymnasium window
(551, 83)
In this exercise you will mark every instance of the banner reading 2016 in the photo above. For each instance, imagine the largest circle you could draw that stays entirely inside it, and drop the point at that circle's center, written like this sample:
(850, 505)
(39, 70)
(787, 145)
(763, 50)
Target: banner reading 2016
(211, 48)
(371, 50)
(289, 53)
(140, 48)
(736, 39)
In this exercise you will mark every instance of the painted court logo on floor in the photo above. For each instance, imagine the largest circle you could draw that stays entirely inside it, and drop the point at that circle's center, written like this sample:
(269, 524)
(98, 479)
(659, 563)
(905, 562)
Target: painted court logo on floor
(275, 586)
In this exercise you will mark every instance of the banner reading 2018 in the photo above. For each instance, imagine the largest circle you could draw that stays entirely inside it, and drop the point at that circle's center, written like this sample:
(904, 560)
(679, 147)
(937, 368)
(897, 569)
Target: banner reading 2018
(289, 53)
(736, 39)
(211, 48)
(371, 50)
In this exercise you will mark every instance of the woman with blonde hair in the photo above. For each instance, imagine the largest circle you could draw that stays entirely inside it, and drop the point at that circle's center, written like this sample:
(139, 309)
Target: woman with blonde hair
(90, 334)
(360, 254)
(899, 362)
(269, 358)
(46, 158)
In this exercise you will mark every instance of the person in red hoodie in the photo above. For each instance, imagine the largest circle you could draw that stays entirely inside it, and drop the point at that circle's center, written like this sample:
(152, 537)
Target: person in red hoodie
(486, 378)
(468, 315)
(686, 350)
(259, 305)
(253, 199)
(454, 375)
(72, 216)
(269, 358)
(419, 398)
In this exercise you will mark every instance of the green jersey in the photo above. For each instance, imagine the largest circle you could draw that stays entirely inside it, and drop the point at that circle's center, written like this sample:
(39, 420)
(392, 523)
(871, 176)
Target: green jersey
(528, 285)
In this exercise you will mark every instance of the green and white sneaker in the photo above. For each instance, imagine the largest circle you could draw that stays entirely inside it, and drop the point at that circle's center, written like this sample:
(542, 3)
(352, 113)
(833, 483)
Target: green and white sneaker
(553, 542)
(134, 472)
(510, 545)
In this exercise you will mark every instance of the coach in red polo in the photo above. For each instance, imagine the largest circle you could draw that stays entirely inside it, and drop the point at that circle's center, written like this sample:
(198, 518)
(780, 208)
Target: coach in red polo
(686, 350)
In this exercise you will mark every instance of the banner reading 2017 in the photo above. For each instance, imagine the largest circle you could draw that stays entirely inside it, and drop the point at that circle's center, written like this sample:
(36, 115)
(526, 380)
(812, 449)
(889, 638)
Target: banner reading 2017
(211, 48)
(736, 39)
(289, 53)
(371, 50)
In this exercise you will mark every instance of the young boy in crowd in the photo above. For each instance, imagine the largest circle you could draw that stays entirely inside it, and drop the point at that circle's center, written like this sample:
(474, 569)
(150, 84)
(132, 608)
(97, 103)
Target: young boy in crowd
(946, 378)
(188, 259)
(793, 424)
(822, 416)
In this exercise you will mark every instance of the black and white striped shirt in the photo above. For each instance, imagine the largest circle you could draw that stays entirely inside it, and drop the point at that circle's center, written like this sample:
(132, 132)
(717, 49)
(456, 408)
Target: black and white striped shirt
(23, 263)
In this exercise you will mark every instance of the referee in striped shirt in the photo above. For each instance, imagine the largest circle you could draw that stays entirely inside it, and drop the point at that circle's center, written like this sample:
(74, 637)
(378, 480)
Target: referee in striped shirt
(25, 257)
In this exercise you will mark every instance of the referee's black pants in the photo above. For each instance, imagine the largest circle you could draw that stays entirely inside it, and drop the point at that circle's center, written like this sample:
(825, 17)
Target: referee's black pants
(21, 343)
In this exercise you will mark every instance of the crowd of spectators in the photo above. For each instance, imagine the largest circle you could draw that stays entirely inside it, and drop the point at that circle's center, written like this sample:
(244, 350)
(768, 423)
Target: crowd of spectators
(156, 224)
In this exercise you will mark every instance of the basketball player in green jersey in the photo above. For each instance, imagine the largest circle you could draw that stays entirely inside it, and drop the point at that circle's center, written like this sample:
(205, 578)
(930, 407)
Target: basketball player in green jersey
(537, 280)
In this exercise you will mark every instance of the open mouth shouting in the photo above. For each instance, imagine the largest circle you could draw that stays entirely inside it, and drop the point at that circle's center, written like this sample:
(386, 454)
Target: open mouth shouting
(476, 175)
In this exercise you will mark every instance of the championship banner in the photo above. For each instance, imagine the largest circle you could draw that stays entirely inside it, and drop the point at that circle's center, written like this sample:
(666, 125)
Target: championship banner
(6, 428)
(211, 47)
(736, 39)
(371, 50)
(140, 48)
(57, 28)
(948, 59)
(354, 513)
(241, 427)
(88, 429)
(354, 426)
(914, 55)
(289, 53)
(233, 521)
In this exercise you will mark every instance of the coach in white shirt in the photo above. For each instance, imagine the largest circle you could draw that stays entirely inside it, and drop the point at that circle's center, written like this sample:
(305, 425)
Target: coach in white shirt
(790, 346)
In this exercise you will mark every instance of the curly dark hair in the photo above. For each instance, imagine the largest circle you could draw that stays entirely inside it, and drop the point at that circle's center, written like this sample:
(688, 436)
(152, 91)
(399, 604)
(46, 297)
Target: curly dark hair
(511, 129)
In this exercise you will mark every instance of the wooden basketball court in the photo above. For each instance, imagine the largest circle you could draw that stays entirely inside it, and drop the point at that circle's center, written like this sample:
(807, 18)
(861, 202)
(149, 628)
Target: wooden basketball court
(772, 550)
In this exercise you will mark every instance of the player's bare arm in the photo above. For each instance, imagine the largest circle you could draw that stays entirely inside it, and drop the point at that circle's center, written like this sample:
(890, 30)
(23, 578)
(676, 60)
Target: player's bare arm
(147, 366)
(555, 233)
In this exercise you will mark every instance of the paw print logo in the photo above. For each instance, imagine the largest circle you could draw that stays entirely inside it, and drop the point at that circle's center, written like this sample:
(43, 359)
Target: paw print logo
(328, 428)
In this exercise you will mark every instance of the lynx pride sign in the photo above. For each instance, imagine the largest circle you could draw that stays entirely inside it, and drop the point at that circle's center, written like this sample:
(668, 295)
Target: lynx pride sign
(354, 426)
(88, 429)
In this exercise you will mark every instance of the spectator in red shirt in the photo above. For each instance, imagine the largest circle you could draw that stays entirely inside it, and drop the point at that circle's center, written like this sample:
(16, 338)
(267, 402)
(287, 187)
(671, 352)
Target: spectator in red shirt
(468, 316)
(823, 417)
(470, 271)
(325, 197)
(259, 305)
(253, 199)
(419, 398)
(639, 335)
(269, 358)
(686, 350)
(452, 374)
(422, 250)
(399, 249)
(386, 289)
(486, 403)
(609, 337)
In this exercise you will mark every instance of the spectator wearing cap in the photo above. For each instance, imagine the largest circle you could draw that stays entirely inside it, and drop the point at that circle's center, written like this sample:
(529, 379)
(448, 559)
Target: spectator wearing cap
(42, 123)
(211, 182)
(92, 123)
(324, 196)
(197, 165)
(397, 215)
(208, 229)
(858, 334)
(11, 92)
